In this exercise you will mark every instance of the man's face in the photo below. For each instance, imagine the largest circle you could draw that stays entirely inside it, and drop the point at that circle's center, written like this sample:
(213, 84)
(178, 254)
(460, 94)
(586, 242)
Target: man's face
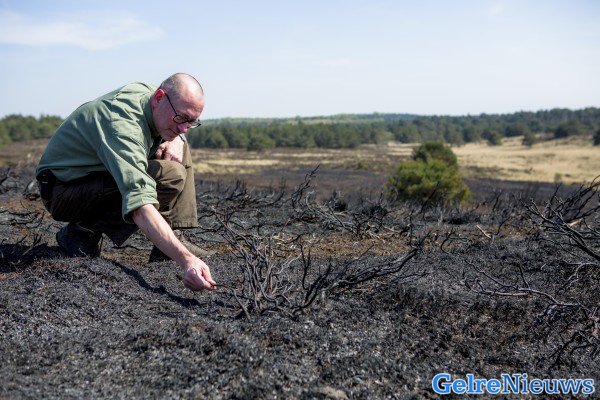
(169, 108)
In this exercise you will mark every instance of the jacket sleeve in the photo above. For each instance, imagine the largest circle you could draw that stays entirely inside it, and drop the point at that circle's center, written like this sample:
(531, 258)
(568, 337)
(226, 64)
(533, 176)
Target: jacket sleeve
(124, 153)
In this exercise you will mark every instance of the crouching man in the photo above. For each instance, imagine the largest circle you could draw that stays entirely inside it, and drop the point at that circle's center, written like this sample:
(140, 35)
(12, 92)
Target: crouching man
(121, 163)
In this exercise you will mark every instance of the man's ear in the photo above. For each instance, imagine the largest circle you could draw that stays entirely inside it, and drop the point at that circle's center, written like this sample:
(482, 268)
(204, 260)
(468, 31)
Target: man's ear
(158, 94)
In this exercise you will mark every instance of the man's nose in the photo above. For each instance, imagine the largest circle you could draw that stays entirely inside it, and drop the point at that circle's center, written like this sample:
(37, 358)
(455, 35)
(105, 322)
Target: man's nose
(183, 128)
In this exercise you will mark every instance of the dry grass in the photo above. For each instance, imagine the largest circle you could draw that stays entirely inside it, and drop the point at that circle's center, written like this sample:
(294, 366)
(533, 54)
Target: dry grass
(379, 158)
(571, 160)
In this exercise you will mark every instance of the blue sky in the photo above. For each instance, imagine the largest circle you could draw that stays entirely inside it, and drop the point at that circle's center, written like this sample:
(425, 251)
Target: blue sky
(287, 58)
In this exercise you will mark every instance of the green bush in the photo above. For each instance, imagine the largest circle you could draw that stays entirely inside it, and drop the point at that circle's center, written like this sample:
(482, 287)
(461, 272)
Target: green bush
(260, 142)
(529, 139)
(518, 129)
(360, 164)
(493, 137)
(432, 176)
(569, 128)
(597, 138)
(4, 135)
(215, 140)
(435, 150)
(427, 181)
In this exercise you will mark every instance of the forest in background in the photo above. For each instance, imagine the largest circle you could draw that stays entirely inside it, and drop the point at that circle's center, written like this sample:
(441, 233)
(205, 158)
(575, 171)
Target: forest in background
(352, 130)
(16, 127)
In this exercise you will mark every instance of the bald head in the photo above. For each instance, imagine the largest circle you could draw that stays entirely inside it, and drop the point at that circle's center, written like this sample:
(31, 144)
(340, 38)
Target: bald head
(183, 86)
(177, 105)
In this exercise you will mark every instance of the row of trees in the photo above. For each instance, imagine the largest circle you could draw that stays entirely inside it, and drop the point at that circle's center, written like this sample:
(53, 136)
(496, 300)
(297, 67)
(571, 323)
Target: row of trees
(261, 137)
(14, 128)
(348, 131)
(333, 133)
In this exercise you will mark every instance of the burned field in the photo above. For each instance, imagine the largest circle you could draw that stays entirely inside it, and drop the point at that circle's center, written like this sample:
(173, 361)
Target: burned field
(320, 296)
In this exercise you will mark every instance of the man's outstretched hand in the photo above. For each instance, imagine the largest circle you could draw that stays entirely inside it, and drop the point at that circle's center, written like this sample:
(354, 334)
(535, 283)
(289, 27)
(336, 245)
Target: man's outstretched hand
(197, 277)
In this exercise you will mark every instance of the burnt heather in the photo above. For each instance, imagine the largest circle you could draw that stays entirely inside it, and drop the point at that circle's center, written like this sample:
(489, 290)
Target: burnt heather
(320, 296)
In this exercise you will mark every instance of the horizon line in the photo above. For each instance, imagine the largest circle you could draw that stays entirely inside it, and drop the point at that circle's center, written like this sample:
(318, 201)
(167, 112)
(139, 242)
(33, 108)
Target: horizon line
(373, 113)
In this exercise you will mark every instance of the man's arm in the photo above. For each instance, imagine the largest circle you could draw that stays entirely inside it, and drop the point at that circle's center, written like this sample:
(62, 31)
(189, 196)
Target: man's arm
(157, 230)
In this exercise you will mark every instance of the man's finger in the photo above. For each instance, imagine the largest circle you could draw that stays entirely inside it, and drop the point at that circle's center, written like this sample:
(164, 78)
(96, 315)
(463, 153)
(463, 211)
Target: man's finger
(205, 273)
(193, 281)
(195, 284)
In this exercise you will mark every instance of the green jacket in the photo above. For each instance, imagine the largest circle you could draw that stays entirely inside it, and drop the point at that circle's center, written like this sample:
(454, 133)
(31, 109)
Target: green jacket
(113, 133)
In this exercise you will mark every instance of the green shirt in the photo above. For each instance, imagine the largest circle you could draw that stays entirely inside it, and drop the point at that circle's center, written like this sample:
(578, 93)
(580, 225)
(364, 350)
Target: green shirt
(113, 133)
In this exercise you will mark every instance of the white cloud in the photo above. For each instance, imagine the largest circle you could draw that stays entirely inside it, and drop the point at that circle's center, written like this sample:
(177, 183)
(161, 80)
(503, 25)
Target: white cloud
(92, 32)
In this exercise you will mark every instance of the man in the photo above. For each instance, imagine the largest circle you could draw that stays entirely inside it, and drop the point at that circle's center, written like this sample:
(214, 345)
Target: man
(119, 163)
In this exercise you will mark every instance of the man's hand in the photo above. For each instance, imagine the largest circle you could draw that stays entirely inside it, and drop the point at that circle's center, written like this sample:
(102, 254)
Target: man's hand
(196, 274)
(197, 277)
(172, 150)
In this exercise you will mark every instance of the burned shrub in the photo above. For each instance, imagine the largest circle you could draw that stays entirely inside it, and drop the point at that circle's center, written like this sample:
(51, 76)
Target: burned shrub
(273, 236)
(566, 284)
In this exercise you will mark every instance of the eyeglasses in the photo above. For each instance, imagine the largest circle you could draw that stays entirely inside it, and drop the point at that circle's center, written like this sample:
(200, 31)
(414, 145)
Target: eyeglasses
(180, 119)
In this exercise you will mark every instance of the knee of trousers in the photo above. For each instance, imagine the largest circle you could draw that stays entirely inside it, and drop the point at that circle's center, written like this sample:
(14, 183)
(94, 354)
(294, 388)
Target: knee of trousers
(169, 176)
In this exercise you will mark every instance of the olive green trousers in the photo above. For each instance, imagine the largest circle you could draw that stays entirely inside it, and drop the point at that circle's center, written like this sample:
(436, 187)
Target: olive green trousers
(94, 201)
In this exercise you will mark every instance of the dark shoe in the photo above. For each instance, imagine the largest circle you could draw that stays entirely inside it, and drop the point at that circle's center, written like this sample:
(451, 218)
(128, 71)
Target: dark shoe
(77, 241)
(157, 256)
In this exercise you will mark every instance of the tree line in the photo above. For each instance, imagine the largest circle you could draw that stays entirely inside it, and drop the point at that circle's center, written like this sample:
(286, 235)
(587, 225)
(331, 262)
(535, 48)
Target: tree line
(15, 127)
(352, 130)
(337, 132)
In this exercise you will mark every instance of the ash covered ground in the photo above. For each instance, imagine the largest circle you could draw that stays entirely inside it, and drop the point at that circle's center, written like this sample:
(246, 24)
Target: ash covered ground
(320, 296)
